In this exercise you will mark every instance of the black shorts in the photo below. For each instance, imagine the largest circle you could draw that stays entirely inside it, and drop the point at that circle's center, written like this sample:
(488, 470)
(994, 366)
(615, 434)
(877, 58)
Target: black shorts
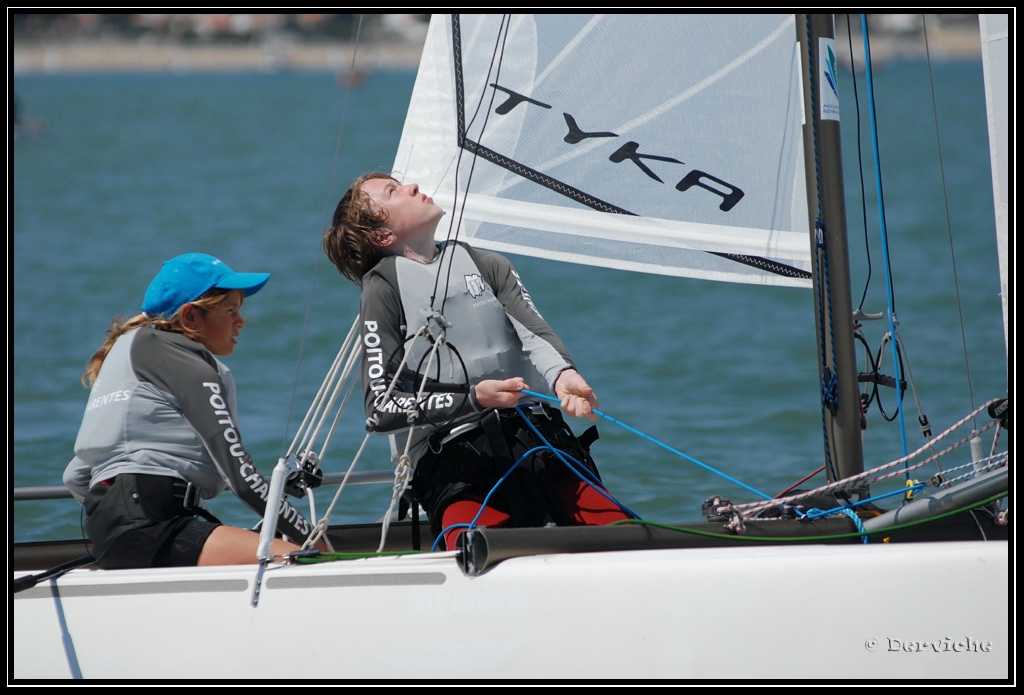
(138, 521)
(471, 465)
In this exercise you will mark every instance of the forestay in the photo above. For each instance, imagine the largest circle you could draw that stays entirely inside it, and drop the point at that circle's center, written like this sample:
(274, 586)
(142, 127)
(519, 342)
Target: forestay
(665, 144)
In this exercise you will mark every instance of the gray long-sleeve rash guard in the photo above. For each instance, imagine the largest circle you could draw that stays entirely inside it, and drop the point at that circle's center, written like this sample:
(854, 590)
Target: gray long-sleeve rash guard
(164, 405)
(492, 328)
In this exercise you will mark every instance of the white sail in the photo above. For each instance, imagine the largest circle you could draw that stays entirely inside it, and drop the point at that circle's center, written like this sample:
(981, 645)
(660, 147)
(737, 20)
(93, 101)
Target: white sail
(691, 165)
(995, 59)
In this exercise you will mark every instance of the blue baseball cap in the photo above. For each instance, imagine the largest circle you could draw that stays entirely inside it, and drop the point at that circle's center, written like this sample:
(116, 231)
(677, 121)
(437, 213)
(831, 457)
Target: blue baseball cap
(188, 277)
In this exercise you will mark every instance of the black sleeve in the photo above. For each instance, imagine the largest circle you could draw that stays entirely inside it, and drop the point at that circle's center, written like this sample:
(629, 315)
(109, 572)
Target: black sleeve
(383, 337)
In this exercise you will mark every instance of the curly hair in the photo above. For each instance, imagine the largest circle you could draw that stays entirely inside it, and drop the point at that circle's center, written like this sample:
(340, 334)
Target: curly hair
(351, 241)
(120, 326)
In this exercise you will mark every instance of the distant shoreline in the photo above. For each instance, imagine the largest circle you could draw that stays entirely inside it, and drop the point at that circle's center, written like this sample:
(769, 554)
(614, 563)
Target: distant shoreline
(154, 56)
(143, 56)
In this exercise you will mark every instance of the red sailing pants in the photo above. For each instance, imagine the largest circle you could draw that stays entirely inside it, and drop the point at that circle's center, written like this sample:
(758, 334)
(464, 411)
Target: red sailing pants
(584, 504)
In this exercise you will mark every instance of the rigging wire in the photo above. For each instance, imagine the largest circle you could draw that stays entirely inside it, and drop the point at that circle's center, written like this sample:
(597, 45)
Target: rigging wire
(455, 225)
(881, 219)
(878, 474)
(316, 256)
(945, 200)
(403, 469)
(860, 164)
(637, 432)
(872, 361)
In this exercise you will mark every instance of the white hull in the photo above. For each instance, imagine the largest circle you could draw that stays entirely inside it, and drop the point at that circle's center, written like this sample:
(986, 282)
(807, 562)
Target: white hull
(645, 614)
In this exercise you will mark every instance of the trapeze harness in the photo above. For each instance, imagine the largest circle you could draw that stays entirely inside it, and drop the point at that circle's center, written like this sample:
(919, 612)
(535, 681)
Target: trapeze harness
(492, 330)
(466, 462)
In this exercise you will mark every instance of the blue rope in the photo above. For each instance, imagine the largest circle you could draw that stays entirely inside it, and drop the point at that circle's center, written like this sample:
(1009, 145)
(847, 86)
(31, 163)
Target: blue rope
(472, 523)
(575, 466)
(847, 509)
(580, 471)
(857, 522)
(841, 510)
(562, 456)
(655, 441)
(885, 240)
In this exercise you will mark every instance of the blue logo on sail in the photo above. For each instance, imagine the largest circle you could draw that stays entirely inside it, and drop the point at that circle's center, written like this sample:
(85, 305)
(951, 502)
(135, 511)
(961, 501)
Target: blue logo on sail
(830, 72)
(829, 97)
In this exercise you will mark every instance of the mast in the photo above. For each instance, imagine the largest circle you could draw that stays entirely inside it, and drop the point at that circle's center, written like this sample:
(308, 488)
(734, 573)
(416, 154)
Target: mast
(833, 306)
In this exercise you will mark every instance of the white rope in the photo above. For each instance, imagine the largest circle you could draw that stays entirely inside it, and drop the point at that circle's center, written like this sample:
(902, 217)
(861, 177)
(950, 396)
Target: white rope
(340, 377)
(404, 470)
(322, 523)
(972, 469)
(350, 381)
(748, 510)
(317, 408)
(321, 527)
(995, 441)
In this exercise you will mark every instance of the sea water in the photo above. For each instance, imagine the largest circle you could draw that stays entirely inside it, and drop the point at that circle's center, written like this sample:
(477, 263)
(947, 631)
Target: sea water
(123, 171)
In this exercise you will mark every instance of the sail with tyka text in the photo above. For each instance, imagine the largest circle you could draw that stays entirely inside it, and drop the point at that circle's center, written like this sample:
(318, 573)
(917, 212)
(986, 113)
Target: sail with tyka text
(696, 150)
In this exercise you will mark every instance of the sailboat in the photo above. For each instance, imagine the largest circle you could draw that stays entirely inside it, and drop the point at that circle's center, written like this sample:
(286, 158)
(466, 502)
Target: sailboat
(542, 144)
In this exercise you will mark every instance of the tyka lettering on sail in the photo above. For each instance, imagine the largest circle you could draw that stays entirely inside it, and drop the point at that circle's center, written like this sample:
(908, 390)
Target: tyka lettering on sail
(629, 151)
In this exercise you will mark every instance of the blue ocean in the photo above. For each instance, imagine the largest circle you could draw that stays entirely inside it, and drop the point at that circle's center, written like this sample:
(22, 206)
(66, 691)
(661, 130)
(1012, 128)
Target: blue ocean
(708, 383)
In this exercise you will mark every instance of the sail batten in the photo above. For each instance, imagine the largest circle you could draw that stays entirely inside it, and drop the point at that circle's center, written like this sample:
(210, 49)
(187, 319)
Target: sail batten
(640, 230)
(561, 145)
